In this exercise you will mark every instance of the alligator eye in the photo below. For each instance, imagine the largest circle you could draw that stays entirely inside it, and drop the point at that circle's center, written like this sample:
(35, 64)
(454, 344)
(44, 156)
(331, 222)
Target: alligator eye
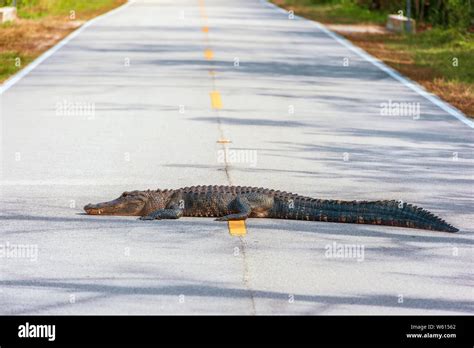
(125, 194)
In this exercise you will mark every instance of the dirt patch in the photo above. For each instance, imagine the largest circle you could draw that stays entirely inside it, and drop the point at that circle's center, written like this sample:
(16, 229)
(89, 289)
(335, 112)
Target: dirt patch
(31, 37)
(358, 28)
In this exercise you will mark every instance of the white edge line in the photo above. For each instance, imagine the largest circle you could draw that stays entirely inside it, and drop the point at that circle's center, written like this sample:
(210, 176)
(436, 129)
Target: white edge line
(30, 67)
(382, 66)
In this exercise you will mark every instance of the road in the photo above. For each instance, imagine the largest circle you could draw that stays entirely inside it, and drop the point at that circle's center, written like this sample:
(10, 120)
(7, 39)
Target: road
(147, 97)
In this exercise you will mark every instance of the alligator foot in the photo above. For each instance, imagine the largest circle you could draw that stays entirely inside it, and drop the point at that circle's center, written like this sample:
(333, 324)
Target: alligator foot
(233, 217)
(148, 218)
(222, 218)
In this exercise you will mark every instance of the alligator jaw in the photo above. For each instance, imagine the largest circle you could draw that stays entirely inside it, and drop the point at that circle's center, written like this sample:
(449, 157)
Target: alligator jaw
(99, 209)
(118, 207)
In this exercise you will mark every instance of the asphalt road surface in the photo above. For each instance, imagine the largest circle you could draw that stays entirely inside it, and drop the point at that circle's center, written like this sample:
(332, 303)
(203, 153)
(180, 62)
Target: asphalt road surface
(148, 96)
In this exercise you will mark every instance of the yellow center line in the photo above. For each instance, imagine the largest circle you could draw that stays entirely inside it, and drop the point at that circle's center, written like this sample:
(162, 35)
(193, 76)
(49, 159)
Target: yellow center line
(216, 100)
(208, 53)
(237, 228)
(202, 11)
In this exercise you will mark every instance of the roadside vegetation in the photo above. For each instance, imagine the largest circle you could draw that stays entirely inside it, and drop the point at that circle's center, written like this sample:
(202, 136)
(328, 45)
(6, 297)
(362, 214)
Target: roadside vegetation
(41, 24)
(337, 11)
(439, 56)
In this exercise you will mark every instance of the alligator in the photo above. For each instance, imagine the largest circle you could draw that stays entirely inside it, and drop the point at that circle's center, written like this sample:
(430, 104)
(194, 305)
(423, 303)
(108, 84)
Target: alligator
(240, 202)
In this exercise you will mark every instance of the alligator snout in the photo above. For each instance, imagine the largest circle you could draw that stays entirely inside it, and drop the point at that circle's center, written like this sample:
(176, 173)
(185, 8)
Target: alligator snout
(128, 204)
(118, 206)
(92, 209)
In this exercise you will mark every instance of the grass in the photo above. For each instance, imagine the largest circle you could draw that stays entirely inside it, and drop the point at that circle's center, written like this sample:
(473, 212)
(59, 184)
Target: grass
(41, 24)
(83, 9)
(336, 11)
(11, 62)
(428, 57)
(439, 49)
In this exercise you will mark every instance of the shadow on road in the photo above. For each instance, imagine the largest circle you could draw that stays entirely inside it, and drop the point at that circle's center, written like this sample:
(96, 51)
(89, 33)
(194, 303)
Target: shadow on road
(106, 291)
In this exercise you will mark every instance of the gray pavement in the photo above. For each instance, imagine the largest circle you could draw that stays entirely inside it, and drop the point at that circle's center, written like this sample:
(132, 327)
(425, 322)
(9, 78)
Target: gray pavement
(126, 105)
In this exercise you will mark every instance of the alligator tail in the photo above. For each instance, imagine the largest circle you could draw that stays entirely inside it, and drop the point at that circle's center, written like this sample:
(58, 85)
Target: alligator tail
(389, 213)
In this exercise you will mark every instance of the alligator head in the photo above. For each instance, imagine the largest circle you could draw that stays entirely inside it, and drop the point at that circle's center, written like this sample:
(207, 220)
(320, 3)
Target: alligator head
(134, 203)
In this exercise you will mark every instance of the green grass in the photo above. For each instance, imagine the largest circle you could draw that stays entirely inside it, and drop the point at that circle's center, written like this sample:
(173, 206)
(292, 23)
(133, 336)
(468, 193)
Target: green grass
(335, 11)
(437, 49)
(36, 9)
(8, 63)
(6, 25)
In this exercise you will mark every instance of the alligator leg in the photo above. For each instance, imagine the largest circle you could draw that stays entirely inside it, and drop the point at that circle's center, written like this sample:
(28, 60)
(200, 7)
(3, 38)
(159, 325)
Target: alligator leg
(173, 210)
(163, 214)
(242, 209)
